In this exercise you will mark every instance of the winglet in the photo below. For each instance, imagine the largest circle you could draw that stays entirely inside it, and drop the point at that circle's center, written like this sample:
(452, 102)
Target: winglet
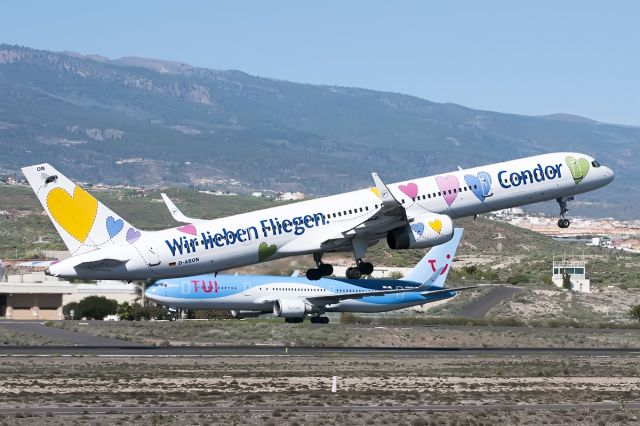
(175, 211)
(387, 198)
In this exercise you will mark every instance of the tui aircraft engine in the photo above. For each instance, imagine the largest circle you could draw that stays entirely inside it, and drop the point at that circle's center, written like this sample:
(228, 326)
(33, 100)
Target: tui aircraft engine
(425, 230)
(290, 308)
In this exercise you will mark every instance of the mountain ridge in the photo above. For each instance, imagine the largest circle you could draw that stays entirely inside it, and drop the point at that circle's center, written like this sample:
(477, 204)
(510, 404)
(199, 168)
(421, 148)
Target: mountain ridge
(155, 122)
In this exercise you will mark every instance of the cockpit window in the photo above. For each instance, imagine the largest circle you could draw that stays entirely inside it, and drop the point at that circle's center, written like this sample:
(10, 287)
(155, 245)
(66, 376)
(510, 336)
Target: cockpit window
(594, 163)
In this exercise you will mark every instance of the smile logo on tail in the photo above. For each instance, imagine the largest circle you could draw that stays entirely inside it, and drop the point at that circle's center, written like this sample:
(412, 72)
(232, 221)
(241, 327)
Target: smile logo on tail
(74, 213)
(266, 251)
(436, 225)
(578, 168)
(447, 185)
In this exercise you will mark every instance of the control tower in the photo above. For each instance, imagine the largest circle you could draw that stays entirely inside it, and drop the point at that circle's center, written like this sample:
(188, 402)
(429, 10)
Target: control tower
(576, 270)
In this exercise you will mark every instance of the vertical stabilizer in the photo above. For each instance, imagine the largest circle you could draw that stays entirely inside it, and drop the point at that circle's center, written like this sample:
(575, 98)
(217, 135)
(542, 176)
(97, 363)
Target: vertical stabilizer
(437, 257)
(83, 222)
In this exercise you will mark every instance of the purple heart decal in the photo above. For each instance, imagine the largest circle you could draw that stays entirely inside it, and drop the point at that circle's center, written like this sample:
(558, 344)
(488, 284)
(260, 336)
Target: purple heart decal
(114, 226)
(410, 189)
(132, 235)
(447, 185)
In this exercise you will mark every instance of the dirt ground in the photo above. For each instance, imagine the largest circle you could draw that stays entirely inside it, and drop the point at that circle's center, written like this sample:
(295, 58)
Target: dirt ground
(296, 389)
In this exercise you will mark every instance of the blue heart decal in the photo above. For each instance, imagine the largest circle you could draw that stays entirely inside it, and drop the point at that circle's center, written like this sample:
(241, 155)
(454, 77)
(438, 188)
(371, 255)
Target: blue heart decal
(418, 228)
(480, 185)
(114, 226)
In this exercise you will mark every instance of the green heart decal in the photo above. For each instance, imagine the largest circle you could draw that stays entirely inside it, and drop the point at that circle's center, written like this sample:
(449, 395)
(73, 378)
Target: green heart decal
(265, 251)
(578, 168)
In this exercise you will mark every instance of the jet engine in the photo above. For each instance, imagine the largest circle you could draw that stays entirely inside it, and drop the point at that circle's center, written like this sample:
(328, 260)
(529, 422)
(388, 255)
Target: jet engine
(245, 314)
(290, 308)
(425, 230)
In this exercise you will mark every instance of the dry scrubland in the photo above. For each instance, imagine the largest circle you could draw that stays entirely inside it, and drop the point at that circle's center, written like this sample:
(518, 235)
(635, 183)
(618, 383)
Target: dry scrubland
(275, 332)
(284, 388)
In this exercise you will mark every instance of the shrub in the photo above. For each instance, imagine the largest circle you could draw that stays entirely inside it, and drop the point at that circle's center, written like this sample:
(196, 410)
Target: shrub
(71, 311)
(96, 307)
(634, 312)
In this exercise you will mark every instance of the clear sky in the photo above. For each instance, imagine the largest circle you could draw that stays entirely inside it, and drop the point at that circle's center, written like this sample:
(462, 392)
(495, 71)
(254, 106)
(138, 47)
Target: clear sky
(538, 57)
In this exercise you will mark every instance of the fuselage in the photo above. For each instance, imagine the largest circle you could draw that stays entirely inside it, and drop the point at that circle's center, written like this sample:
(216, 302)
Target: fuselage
(299, 228)
(257, 293)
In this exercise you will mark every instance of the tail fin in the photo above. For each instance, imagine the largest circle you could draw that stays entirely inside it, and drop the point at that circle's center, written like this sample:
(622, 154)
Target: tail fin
(83, 222)
(437, 257)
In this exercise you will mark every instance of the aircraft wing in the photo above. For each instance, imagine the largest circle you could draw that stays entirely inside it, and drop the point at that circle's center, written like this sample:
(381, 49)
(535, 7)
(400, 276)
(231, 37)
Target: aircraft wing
(389, 216)
(333, 299)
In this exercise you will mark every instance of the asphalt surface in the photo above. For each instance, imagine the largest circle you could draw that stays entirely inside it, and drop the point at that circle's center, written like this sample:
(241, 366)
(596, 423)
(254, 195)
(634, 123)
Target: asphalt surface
(142, 350)
(479, 307)
(310, 408)
(59, 334)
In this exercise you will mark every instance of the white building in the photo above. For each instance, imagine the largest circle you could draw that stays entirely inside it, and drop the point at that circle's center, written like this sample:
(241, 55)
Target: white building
(576, 270)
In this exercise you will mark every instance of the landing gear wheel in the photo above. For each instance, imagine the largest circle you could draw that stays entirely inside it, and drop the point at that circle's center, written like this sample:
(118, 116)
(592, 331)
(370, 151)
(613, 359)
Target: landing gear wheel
(319, 320)
(563, 223)
(325, 269)
(313, 274)
(294, 320)
(366, 268)
(353, 273)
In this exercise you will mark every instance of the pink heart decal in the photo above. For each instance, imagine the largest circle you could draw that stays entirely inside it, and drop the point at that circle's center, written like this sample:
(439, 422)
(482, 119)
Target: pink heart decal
(188, 229)
(410, 189)
(447, 184)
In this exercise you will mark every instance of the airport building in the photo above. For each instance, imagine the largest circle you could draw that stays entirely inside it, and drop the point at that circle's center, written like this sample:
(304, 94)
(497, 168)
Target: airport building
(576, 270)
(36, 296)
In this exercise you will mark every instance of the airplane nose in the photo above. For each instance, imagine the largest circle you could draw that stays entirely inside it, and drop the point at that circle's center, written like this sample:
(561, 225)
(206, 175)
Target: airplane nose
(609, 174)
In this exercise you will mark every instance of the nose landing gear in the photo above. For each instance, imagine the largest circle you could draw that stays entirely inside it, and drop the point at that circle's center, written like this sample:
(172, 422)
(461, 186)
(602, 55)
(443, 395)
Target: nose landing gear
(562, 202)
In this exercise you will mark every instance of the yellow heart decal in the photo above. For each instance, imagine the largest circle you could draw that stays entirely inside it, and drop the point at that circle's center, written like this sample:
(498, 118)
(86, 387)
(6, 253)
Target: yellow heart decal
(75, 214)
(436, 225)
(376, 191)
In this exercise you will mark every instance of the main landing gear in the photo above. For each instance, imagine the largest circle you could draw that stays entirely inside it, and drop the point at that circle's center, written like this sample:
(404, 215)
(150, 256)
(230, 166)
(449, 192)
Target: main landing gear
(322, 270)
(562, 202)
(361, 268)
(316, 319)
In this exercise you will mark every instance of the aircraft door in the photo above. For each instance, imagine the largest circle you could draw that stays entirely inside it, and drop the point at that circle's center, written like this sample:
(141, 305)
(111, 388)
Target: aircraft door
(399, 296)
(151, 257)
(186, 287)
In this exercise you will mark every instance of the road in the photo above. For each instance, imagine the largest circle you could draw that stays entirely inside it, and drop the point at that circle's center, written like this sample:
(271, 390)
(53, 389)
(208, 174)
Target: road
(142, 350)
(59, 334)
(479, 307)
(310, 408)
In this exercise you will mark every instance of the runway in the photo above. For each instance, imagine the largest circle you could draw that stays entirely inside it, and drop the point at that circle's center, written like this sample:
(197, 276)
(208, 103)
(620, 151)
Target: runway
(310, 408)
(142, 350)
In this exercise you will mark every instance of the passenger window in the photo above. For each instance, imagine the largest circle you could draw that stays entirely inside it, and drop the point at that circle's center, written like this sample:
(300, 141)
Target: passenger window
(350, 212)
(339, 214)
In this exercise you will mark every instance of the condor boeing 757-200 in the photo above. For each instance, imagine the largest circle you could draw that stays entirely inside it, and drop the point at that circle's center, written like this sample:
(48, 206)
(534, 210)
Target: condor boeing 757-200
(293, 298)
(413, 214)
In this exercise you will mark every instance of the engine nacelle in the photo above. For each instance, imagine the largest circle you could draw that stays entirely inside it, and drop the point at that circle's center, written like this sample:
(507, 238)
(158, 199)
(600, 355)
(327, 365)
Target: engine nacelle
(245, 314)
(426, 230)
(290, 308)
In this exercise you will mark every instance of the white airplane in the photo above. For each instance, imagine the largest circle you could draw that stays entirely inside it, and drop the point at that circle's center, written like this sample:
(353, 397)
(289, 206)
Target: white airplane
(293, 298)
(412, 214)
